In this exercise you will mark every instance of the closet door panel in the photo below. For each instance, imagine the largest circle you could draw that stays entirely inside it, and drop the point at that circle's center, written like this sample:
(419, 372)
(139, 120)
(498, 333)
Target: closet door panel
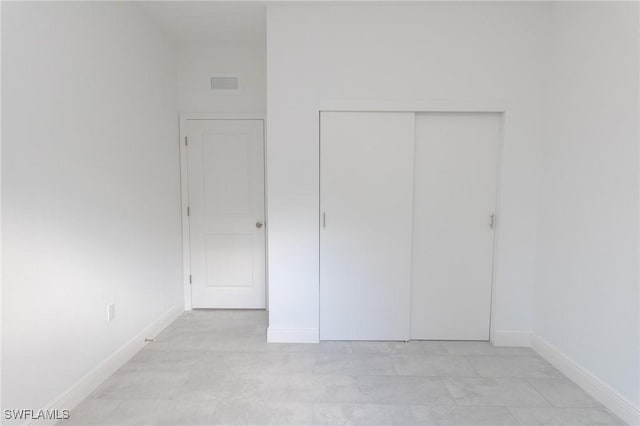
(456, 164)
(366, 196)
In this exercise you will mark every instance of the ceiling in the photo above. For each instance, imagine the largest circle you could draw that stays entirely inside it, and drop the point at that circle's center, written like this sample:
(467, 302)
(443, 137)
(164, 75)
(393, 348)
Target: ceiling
(209, 21)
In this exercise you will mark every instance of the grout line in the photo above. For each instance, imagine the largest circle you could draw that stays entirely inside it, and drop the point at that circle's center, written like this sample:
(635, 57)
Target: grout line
(513, 415)
(528, 380)
(472, 366)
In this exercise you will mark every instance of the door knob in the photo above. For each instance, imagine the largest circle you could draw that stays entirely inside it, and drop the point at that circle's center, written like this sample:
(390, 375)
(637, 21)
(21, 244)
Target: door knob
(259, 225)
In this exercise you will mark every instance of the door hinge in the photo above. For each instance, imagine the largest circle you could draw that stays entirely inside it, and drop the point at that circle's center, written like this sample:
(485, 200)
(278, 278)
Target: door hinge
(186, 141)
(188, 211)
(190, 280)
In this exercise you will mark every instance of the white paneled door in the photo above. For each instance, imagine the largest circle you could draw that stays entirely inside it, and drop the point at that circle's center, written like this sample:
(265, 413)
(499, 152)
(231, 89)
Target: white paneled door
(456, 164)
(366, 181)
(226, 206)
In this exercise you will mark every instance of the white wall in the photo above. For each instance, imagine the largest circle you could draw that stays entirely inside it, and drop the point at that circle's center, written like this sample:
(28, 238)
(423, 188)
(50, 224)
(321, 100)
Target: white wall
(90, 183)
(457, 53)
(198, 62)
(587, 287)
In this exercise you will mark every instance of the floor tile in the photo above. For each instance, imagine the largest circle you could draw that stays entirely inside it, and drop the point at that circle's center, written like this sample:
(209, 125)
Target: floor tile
(354, 364)
(402, 390)
(158, 412)
(562, 393)
(335, 346)
(261, 362)
(289, 347)
(343, 389)
(257, 413)
(433, 347)
(433, 365)
(494, 392)
(303, 388)
(484, 348)
(167, 361)
(92, 412)
(215, 387)
(215, 367)
(362, 414)
(463, 416)
(554, 416)
(127, 385)
(387, 347)
(226, 341)
(516, 366)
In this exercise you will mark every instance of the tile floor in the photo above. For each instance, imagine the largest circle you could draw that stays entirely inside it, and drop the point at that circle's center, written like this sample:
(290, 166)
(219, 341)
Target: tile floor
(215, 368)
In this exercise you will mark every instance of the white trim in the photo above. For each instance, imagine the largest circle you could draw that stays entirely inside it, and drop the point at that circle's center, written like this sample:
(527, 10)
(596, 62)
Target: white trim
(184, 192)
(598, 389)
(90, 381)
(511, 338)
(430, 105)
(222, 116)
(282, 335)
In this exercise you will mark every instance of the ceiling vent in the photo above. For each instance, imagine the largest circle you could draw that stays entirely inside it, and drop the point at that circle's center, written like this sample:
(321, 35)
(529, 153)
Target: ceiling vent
(226, 83)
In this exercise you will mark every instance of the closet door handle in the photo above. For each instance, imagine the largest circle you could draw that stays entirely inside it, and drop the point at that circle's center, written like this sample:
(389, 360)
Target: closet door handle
(492, 220)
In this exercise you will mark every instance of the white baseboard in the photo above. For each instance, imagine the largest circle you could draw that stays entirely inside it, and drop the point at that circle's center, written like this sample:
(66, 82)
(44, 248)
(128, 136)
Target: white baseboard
(282, 335)
(511, 338)
(599, 390)
(87, 384)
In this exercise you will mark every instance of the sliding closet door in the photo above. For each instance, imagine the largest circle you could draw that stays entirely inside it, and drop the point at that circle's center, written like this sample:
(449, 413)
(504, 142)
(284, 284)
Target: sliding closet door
(366, 180)
(456, 163)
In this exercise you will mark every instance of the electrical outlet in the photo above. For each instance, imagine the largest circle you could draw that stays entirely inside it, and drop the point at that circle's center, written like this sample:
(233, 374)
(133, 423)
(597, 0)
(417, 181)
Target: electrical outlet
(111, 312)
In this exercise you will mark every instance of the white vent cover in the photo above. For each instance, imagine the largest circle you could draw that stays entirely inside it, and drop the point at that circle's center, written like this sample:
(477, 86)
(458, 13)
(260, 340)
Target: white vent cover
(224, 82)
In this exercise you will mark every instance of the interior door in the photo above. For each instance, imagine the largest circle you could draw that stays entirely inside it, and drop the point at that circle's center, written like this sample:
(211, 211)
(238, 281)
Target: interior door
(366, 176)
(456, 164)
(226, 203)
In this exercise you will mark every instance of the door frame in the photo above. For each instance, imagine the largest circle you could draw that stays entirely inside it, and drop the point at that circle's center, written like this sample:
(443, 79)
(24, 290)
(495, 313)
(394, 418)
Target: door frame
(499, 106)
(184, 192)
